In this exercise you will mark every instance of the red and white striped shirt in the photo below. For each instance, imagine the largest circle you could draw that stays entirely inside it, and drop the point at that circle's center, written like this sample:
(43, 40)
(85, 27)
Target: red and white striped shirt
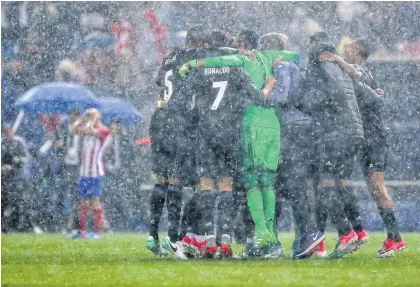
(94, 148)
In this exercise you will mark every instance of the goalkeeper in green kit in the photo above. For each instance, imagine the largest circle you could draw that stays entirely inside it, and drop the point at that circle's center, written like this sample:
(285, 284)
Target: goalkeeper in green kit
(261, 139)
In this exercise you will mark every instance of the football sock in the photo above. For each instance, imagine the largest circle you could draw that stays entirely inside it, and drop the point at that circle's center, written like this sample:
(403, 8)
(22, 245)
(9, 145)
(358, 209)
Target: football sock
(351, 208)
(390, 222)
(336, 211)
(278, 210)
(98, 218)
(276, 231)
(301, 207)
(157, 202)
(189, 216)
(174, 204)
(83, 215)
(249, 223)
(269, 201)
(206, 205)
(224, 214)
(321, 208)
(256, 208)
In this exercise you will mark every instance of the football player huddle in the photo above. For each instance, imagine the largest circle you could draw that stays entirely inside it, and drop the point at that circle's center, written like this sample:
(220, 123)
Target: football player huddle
(241, 122)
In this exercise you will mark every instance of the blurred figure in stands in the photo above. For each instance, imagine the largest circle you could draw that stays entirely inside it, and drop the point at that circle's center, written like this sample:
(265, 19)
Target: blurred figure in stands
(119, 194)
(13, 154)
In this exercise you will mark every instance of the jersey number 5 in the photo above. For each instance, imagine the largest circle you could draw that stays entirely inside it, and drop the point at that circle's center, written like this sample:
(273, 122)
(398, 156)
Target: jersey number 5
(167, 94)
(222, 88)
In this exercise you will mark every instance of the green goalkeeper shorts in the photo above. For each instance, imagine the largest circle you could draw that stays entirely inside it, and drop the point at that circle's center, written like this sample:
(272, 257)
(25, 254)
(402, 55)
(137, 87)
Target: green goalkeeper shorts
(261, 138)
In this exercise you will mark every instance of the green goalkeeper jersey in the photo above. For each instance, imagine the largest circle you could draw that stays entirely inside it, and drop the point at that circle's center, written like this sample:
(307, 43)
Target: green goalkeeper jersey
(259, 70)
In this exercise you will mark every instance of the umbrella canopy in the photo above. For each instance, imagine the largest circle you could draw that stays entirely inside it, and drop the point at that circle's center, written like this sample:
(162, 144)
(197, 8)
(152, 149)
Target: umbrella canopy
(57, 97)
(118, 110)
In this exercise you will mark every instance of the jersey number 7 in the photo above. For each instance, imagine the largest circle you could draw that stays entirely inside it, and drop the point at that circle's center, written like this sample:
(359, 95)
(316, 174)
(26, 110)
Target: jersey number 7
(222, 88)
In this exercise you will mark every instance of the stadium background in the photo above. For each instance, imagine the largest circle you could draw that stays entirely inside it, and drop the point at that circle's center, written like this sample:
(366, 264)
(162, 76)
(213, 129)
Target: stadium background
(37, 36)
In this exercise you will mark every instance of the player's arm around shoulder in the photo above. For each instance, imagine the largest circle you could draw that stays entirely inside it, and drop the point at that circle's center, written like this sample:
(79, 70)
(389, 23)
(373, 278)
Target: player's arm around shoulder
(285, 55)
(212, 62)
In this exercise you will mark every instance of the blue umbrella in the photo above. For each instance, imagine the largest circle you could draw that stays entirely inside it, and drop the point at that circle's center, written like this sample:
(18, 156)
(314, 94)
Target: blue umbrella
(57, 97)
(118, 110)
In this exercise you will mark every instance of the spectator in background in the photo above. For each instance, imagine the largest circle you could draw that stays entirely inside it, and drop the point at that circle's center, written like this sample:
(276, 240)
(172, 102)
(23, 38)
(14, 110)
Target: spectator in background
(119, 195)
(69, 153)
(72, 153)
(97, 57)
(66, 71)
(14, 152)
(159, 33)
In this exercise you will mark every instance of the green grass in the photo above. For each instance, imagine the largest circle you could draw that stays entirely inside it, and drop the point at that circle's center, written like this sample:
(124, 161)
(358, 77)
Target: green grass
(122, 260)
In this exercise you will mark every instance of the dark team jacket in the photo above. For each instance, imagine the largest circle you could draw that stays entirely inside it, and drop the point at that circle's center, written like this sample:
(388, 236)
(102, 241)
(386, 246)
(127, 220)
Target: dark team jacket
(169, 84)
(219, 95)
(328, 95)
(370, 105)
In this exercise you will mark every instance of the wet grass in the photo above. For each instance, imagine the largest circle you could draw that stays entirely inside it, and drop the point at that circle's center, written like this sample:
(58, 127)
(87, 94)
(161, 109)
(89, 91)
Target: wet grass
(122, 260)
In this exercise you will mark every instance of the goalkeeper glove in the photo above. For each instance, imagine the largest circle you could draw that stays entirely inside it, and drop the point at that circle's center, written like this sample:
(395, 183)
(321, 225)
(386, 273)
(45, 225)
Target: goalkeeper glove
(186, 68)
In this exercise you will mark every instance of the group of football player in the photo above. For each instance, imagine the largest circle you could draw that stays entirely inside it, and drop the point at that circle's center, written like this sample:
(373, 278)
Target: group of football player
(244, 125)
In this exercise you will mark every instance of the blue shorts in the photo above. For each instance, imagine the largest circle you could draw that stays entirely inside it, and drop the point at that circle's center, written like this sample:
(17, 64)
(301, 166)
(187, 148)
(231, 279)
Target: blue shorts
(89, 187)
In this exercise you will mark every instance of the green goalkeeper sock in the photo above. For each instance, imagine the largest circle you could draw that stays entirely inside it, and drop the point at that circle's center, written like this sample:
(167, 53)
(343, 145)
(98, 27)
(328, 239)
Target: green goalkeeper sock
(256, 208)
(269, 200)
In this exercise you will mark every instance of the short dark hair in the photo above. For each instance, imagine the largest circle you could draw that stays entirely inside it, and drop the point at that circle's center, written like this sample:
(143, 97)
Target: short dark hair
(218, 38)
(364, 47)
(249, 38)
(319, 37)
(272, 41)
(195, 35)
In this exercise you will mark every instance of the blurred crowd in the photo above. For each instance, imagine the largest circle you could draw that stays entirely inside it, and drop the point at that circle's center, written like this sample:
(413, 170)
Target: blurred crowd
(116, 48)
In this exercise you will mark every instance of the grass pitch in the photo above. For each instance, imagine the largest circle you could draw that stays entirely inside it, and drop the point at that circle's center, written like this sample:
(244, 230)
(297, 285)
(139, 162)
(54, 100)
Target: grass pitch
(122, 260)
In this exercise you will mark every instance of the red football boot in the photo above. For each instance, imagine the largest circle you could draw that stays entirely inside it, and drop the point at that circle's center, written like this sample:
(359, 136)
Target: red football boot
(211, 249)
(321, 252)
(390, 247)
(191, 247)
(346, 244)
(362, 237)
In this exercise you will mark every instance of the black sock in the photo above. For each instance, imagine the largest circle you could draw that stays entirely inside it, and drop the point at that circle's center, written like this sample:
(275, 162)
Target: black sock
(279, 205)
(249, 224)
(336, 211)
(224, 215)
(206, 206)
(174, 205)
(390, 222)
(321, 208)
(157, 201)
(351, 208)
(302, 209)
(189, 216)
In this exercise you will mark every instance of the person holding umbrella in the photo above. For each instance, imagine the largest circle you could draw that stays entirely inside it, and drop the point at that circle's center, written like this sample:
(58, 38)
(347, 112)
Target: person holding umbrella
(97, 138)
(119, 115)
